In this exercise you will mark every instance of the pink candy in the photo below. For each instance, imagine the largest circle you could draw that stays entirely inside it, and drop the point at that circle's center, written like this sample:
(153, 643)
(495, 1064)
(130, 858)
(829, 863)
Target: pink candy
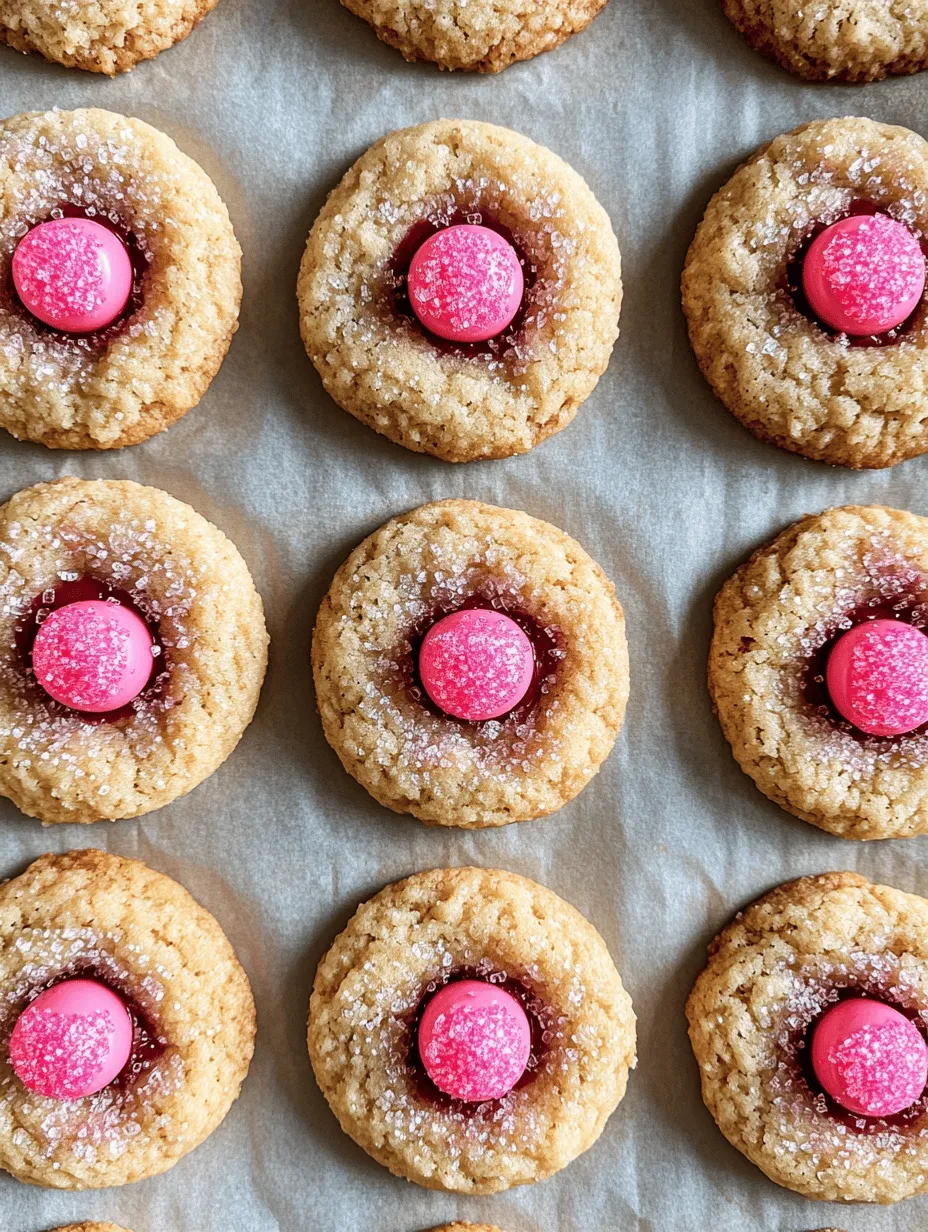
(73, 274)
(466, 284)
(864, 275)
(72, 1041)
(877, 677)
(476, 664)
(474, 1041)
(92, 656)
(869, 1058)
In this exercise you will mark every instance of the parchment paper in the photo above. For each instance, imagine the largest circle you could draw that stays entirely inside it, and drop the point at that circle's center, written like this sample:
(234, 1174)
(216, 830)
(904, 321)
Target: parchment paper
(655, 105)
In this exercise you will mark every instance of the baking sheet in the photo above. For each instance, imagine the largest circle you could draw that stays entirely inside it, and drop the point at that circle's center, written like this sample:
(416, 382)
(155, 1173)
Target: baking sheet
(654, 105)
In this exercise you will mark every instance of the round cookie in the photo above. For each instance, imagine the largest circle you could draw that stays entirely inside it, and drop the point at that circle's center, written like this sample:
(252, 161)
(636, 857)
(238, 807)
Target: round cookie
(105, 36)
(771, 974)
(857, 402)
(123, 383)
(194, 591)
(411, 756)
(467, 1227)
(90, 1227)
(93, 914)
(483, 36)
(776, 620)
(836, 40)
(460, 402)
(410, 940)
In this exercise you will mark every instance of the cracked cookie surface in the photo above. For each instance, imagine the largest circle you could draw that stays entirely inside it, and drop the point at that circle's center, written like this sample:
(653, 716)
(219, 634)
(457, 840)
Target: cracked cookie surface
(103, 36)
(843, 40)
(123, 384)
(408, 939)
(415, 759)
(483, 36)
(771, 974)
(92, 913)
(773, 619)
(190, 583)
(377, 363)
(780, 373)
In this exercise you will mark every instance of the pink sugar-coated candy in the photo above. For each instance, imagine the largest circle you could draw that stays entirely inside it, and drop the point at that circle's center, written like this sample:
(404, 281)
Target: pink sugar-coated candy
(72, 1041)
(73, 274)
(864, 275)
(869, 1058)
(877, 677)
(474, 1041)
(92, 656)
(476, 664)
(466, 283)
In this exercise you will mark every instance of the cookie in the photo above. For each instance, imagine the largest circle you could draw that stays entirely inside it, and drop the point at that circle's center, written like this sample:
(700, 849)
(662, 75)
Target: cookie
(466, 1227)
(836, 40)
(773, 974)
(107, 36)
(418, 939)
(857, 400)
(123, 382)
(438, 563)
(95, 916)
(484, 36)
(75, 542)
(460, 400)
(90, 1227)
(778, 625)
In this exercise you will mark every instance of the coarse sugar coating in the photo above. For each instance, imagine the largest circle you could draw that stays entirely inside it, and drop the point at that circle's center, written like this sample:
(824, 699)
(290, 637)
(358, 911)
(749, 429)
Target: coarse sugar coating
(125, 383)
(775, 619)
(103, 36)
(774, 367)
(771, 974)
(89, 913)
(486, 400)
(410, 940)
(838, 40)
(191, 585)
(409, 755)
(482, 35)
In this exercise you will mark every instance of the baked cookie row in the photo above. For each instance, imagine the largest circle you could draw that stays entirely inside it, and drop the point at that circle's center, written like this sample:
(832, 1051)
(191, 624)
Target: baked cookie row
(460, 291)
(468, 1028)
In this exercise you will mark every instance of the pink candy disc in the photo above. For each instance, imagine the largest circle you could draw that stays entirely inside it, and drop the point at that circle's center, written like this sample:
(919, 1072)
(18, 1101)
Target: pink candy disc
(92, 656)
(864, 275)
(466, 284)
(73, 274)
(877, 677)
(869, 1058)
(72, 1041)
(476, 664)
(474, 1041)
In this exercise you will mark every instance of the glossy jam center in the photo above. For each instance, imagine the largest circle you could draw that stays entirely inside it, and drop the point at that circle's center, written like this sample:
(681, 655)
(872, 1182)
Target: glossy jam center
(475, 1041)
(73, 274)
(465, 283)
(72, 1041)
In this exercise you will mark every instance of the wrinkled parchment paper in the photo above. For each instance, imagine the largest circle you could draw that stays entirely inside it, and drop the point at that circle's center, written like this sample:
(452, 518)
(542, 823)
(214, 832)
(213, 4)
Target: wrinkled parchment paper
(655, 105)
